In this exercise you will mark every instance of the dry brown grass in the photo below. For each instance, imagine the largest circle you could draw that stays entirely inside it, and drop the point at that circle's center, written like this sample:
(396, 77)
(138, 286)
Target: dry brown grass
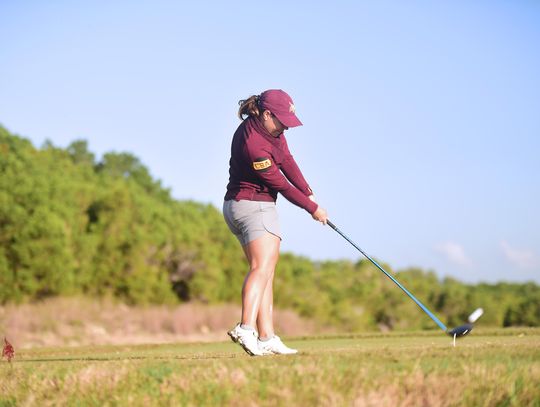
(499, 368)
(82, 321)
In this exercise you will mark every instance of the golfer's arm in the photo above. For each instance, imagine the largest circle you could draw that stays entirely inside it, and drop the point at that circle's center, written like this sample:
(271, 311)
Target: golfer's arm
(294, 175)
(274, 179)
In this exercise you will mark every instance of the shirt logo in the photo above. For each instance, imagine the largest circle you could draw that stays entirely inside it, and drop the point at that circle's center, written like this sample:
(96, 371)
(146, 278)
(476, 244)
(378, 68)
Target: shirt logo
(292, 109)
(262, 164)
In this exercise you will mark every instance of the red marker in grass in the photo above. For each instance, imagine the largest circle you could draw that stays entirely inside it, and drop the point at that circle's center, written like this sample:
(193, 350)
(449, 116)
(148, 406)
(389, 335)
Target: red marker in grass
(8, 352)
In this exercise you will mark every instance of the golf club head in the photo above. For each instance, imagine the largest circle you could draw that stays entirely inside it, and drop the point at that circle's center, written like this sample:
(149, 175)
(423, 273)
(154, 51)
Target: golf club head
(460, 331)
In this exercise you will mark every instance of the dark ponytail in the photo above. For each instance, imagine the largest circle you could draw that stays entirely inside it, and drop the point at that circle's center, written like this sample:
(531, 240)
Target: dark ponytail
(249, 107)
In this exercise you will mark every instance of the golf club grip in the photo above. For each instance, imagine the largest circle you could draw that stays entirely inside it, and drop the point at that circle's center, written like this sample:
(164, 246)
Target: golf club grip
(412, 297)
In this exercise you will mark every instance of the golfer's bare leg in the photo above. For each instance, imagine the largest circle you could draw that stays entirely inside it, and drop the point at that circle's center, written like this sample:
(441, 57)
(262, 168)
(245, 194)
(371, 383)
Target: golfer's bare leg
(262, 255)
(265, 318)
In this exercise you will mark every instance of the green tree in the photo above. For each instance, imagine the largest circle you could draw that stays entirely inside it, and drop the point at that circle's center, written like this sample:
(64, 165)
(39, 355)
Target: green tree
(70, 224)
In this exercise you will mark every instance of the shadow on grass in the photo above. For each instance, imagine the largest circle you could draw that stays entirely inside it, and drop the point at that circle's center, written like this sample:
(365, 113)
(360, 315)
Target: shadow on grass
(92, 359)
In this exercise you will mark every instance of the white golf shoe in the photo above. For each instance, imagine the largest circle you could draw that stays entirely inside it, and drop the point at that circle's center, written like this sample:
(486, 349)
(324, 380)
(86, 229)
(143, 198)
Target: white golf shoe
(247, 339)
(275, 346)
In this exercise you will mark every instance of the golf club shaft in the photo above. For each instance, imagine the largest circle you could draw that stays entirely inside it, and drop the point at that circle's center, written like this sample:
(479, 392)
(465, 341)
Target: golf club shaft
(428, 312)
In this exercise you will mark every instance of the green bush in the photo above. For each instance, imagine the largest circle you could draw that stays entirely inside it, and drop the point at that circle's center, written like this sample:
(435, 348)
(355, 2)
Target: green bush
(72, 225)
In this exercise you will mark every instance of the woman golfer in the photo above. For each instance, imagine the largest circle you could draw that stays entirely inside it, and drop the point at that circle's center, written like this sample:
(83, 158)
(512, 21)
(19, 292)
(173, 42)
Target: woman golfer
(260, 167)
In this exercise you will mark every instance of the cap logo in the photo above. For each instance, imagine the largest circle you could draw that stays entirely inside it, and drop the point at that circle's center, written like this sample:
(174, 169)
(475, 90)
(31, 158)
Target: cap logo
(292, 109)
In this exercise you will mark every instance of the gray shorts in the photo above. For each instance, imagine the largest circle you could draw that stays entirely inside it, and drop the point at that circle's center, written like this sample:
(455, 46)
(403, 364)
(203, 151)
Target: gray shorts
(249, 220)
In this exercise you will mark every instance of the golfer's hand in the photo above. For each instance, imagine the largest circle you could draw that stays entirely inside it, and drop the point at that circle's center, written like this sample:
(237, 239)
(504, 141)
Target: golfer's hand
(320, 215)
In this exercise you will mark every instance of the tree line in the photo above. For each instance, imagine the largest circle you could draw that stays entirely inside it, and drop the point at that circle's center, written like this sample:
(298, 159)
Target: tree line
(71, 224)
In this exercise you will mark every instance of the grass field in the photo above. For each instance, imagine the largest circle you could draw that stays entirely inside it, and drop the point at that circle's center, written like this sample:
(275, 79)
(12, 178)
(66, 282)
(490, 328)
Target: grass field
(487, 368)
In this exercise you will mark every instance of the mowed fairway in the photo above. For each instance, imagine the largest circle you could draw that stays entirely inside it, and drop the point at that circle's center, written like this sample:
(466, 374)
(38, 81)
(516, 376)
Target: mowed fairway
(489, 367)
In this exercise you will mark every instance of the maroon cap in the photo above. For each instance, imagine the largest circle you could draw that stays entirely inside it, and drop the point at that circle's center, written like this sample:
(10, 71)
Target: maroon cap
(280, 104)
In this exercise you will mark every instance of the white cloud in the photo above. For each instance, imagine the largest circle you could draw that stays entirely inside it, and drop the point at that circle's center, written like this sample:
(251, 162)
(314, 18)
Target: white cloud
(522, 258)
(454, 253)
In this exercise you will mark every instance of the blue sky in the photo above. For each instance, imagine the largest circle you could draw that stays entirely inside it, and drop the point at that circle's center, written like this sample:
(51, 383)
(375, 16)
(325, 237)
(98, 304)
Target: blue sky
(421, 119)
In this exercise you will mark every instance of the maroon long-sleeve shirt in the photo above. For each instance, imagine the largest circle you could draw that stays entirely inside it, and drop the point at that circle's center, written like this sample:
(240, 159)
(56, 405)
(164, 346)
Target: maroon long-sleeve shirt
(261, 166)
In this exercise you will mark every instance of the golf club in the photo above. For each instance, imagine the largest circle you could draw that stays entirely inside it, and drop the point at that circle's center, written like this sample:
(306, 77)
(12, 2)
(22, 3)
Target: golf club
(459, 331)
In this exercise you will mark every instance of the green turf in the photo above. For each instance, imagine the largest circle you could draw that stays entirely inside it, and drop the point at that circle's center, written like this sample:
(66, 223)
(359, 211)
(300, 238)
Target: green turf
(490, 367)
